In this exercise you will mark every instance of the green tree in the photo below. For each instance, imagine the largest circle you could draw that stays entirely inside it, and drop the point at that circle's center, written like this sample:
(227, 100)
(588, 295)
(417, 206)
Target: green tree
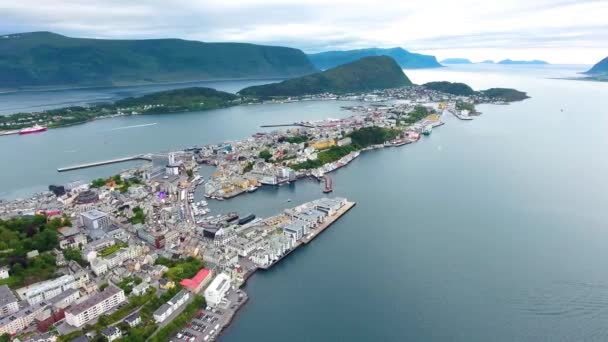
(265, 154)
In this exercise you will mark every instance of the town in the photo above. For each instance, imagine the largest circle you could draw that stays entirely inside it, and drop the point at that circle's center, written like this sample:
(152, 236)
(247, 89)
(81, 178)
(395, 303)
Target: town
(137, 257)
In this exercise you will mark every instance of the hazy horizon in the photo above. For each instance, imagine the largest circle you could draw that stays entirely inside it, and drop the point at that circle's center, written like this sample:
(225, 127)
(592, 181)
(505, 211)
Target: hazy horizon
(560, 32)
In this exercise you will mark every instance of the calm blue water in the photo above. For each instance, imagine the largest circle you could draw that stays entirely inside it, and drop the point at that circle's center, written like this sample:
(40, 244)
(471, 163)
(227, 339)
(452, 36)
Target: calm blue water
(489, 230)
(37, 100)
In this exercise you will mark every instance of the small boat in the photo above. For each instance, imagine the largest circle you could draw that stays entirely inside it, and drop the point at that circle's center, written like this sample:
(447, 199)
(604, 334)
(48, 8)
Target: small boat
(288, 200)
(427, 130)
(328, 185)
(252, 188)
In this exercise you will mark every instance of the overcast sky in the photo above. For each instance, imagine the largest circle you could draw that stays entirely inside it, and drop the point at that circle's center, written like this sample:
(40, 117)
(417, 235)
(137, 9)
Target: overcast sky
(559, 31)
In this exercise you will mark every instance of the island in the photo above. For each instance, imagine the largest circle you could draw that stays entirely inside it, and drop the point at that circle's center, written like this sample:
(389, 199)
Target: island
(492, 94)
(368, 73)
(170, 101)
(46, 59)
(532, 62)
(456, 61)
(405, 59)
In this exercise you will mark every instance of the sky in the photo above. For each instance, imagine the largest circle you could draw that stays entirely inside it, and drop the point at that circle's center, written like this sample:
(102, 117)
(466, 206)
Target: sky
(559, 31)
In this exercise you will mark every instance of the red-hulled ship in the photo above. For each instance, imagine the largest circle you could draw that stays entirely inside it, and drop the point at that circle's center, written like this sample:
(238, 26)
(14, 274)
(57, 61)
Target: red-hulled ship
(33, 129)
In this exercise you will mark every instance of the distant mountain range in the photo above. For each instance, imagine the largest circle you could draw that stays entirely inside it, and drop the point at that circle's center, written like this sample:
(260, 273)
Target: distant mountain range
(456, 61)
(49, 59)
(489, 61)
(601, 68)
(405, 59)
(368, 73)
(532, 62)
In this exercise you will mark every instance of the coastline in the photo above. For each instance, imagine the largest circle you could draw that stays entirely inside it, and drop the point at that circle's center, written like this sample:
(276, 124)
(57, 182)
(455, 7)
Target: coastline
(305, 241)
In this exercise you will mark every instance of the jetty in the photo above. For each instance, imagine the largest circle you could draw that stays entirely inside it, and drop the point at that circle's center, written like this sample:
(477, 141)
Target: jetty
(460, 116)
(145, 157)
(300, 124)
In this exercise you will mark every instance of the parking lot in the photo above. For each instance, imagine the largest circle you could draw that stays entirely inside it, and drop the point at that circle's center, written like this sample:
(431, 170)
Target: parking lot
(208, 323)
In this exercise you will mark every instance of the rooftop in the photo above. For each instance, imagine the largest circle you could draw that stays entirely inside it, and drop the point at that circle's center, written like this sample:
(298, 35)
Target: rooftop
(94, 214)
(195, 281)
(6, 296)
(93, 299)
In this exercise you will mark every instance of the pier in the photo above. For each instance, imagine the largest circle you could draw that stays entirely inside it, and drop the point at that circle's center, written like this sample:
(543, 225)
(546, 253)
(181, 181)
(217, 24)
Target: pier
(460, 116)
(145, 157)
(288, 125)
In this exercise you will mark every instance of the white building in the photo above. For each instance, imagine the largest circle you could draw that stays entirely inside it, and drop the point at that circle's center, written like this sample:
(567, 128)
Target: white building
(140, 289)
(95, 219)
(94, 306)
(8, 301)
(169, 307)
(48, 289)
(216, 291)
(111, 333)
(102, 265)
(21, 319)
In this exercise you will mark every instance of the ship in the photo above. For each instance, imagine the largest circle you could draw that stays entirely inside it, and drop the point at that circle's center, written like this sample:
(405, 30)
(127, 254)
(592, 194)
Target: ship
(246, 219)
(328, 185)
(33, 129)
(427, 130)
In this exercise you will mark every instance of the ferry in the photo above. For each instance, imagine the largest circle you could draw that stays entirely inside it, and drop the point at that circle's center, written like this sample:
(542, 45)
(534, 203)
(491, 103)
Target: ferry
(33, 129)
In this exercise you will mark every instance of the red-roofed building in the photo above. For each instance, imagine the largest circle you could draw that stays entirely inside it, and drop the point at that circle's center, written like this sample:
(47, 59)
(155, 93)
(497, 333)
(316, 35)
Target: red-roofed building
(199, 281)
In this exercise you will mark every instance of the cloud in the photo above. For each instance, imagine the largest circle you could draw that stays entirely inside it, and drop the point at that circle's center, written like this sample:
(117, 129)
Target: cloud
(475, 27)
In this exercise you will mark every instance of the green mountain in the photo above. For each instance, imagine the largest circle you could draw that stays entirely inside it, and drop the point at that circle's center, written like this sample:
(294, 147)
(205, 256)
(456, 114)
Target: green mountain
(462, 89)
(600, 68)
(378, 72)
(532, 62)
(49, 59)
(459, 89)
(456, 61)
(406, 59)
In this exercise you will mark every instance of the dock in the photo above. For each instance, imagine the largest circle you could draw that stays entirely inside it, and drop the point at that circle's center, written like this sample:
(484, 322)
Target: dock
(321, 228)
(460, 116)
(105, 162)
(299, 124)
(314, 232)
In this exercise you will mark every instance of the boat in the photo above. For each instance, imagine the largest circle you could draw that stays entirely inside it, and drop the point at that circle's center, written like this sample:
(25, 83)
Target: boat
(33, 129)
(328, 185)
(247, 219)
(427, 130)
(252, 188)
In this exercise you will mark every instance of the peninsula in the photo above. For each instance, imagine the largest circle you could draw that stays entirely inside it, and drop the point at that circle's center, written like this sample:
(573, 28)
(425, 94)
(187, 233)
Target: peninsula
(138, 256)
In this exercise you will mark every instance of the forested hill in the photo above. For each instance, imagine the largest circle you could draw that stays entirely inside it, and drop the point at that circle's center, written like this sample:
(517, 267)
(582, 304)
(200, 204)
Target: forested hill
(368, 73)
(49, 59)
